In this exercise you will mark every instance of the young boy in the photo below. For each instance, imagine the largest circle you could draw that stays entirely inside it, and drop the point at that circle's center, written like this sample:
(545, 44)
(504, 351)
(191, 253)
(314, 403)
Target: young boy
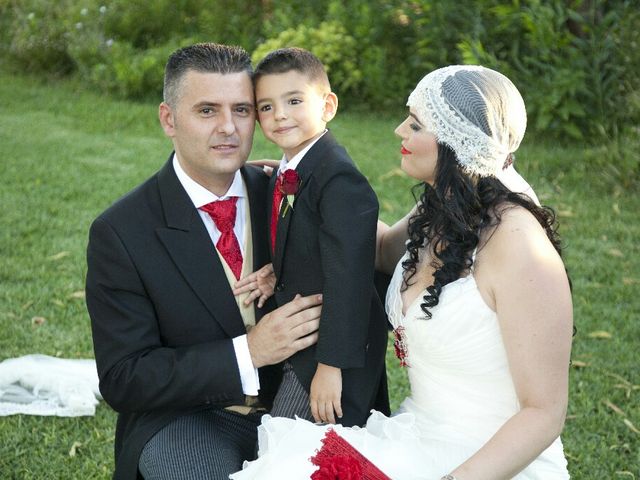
(323, 228)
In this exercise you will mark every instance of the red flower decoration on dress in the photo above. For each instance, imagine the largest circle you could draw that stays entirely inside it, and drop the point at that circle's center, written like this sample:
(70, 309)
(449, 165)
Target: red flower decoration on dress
(400, 346)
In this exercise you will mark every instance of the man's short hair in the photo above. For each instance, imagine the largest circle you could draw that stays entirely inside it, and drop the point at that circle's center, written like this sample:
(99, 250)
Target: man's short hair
(296, 59)
(205, 58)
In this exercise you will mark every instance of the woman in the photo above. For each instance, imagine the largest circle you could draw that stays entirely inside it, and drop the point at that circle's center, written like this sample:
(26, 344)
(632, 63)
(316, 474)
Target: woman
(479, 301)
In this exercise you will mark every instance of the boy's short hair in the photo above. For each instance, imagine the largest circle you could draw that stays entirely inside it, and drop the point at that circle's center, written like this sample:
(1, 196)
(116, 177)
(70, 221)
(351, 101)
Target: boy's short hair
(300, 60)
(205, 58)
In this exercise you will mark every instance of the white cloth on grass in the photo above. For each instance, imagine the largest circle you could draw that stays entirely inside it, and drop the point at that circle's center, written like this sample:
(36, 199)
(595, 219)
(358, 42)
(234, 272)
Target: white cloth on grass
(43, 385)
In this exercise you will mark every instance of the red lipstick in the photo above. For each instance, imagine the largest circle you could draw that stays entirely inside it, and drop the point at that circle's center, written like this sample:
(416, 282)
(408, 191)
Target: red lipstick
(404, 151)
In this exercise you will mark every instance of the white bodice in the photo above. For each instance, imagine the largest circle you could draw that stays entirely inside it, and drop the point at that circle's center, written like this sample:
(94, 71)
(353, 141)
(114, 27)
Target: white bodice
(462, 391)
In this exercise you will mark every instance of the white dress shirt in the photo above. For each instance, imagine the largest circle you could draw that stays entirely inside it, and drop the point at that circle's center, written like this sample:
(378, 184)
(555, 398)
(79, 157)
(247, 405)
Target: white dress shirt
(293, 163)
(201, 196)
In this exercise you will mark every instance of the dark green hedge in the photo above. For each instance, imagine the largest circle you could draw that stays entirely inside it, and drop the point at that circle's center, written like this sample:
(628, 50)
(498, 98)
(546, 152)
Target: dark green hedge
(575, 62)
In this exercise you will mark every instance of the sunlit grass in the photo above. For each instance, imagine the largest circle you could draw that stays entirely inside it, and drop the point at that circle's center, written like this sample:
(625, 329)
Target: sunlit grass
(65, 155)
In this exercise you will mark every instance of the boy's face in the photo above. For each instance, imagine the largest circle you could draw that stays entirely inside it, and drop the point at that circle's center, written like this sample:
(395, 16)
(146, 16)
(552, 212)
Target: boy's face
(293, 110)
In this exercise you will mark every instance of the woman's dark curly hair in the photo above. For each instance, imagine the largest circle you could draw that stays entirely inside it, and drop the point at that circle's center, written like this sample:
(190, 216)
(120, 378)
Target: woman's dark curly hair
(450, 216)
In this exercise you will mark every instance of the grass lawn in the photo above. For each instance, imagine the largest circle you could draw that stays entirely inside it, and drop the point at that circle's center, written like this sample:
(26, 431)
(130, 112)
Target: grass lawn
(65, 155)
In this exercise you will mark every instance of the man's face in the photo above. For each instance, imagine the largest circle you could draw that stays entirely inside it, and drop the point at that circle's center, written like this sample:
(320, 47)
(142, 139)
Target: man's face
(211, 126)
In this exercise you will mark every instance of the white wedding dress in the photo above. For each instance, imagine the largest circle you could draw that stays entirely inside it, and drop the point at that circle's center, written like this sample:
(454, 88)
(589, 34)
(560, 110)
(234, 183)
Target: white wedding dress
(461, 394)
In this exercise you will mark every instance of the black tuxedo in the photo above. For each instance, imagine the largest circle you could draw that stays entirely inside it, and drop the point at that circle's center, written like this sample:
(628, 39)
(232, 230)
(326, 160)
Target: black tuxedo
(162, 312)
(326, 244)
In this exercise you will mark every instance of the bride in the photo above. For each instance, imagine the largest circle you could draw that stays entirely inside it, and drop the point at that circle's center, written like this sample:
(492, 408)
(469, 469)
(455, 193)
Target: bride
(479, 301)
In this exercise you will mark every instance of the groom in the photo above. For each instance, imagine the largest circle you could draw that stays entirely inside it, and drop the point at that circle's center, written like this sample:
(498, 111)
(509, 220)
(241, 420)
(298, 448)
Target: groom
(187, 367)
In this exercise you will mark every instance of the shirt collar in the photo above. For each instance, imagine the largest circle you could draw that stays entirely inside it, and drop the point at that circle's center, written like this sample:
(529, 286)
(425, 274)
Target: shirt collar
(293, 163)
(201, 196)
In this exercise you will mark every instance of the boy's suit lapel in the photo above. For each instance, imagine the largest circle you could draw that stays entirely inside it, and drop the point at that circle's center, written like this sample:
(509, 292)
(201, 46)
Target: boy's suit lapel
(275, 258)
(305, 170)
(189, 245)
(282, 229)
(281, 238)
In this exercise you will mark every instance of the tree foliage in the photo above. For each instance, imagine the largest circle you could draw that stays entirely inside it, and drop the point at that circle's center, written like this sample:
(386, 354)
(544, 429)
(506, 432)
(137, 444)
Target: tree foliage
(573, 60)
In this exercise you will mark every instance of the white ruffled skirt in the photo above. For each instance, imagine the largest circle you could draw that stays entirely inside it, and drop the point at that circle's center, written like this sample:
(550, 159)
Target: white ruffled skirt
(402, 446)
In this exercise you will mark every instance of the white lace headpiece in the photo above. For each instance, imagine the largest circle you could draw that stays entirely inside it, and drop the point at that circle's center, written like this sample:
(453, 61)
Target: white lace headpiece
(474, 110)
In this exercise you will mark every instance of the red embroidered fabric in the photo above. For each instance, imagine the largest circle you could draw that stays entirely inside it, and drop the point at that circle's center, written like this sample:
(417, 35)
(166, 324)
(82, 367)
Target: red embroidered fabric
(400, 346)
(337, 459)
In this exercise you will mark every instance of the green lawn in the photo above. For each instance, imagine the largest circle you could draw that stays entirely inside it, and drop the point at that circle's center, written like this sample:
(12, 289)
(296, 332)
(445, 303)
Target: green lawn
(65, 155)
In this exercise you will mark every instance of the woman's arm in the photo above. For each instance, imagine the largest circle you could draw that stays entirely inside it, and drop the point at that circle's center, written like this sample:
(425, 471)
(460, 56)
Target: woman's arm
(520, 272)
(390, 243)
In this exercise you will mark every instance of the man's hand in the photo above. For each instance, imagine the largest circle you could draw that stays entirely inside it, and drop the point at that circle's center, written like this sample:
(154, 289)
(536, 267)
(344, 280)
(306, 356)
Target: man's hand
(260, 284)
(285, 331)
(326, 391)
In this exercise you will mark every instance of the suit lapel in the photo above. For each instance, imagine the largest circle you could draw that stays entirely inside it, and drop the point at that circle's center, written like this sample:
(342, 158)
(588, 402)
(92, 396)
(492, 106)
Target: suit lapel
(260, 214)
(189, 245)
(281, 239)
(305, 170)
(270, 191)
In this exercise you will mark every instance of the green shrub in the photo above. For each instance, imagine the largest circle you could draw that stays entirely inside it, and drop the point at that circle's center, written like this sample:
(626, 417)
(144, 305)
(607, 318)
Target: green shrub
(330, 43)
(281, 16)
(572, 63)
(136, 74)
(575, 62)
(371, 35)
(542, 61)
(383, 37)
(237, 22)
(37, 41)
(88, 43)
(147, 24)
(612, 45)
(439, 28)
(5, 30)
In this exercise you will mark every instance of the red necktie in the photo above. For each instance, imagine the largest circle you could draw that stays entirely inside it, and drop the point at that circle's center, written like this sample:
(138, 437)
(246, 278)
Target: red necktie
(275, 211)
(223, 214)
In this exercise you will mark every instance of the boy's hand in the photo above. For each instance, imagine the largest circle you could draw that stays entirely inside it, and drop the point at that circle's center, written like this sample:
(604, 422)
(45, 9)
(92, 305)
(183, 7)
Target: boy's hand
(260, 283)
(268, 165)
(326, 391)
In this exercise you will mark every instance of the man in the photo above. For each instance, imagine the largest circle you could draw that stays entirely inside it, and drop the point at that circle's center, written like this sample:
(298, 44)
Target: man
(177, 353)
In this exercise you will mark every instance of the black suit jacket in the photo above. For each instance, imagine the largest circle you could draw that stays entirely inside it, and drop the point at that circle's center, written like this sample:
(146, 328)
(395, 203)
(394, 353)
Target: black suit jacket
(326, 244)
(162, 312)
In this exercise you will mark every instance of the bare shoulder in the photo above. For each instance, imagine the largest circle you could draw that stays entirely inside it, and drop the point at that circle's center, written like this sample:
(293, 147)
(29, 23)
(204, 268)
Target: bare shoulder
(522, 278)
(517, 238)
(516, 251)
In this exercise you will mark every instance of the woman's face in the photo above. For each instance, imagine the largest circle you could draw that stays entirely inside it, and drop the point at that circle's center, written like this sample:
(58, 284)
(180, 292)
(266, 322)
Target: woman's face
(419, 149)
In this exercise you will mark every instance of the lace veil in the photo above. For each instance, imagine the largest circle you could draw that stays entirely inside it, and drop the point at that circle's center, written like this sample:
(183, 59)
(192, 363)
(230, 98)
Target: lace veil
(474, 110)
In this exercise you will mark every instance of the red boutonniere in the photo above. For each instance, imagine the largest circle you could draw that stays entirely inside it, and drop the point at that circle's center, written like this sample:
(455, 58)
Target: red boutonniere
(288, 184)
(400, 346)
